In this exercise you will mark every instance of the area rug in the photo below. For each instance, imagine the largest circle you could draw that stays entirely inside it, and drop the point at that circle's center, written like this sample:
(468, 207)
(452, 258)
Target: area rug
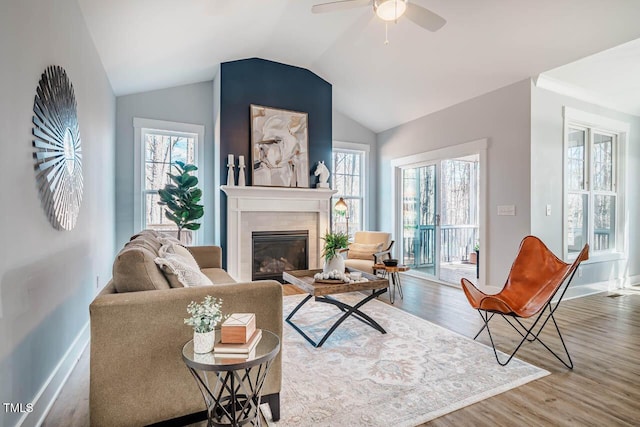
(416, 372)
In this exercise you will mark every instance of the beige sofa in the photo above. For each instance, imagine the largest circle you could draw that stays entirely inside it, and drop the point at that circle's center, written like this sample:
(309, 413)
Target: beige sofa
(137, 373)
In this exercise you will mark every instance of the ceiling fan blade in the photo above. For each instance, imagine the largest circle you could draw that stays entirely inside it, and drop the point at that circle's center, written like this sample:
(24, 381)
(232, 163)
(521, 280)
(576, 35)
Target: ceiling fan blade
(339, 5)
(424, 17)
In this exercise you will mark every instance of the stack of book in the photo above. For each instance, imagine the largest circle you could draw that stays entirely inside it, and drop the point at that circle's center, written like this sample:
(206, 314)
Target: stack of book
(238, 338)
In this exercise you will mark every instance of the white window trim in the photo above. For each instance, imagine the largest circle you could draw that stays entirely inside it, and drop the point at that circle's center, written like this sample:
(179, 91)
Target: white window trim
(359, 148)
(572, 116)
(141, 125)
(478, 147)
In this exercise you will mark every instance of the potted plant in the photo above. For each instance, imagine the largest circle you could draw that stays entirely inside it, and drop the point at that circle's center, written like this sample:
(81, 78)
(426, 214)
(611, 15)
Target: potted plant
(473, 256)
(333, 245)
(181, 197)
(204, 318)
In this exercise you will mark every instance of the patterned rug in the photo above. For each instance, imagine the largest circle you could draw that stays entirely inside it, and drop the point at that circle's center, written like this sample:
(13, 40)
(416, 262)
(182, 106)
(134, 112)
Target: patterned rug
(416, 372)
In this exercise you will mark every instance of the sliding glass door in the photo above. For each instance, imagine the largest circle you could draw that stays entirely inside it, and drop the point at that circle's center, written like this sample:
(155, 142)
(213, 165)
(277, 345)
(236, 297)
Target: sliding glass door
(419, 218)
(439, 217)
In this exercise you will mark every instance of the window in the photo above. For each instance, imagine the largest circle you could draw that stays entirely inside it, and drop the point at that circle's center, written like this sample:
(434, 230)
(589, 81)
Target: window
(349, 180)
(593, 180)
(160, 145)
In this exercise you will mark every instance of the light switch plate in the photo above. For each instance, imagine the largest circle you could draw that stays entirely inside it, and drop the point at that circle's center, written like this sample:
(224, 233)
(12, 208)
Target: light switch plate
(508, 210)
(548, 210)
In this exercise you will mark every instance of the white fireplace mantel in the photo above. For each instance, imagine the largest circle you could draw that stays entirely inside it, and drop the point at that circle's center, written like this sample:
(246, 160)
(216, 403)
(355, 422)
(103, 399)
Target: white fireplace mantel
(245, 201)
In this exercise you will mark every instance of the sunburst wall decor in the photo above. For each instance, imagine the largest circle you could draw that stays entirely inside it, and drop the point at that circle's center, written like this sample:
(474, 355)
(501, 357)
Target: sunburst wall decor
(57, 150)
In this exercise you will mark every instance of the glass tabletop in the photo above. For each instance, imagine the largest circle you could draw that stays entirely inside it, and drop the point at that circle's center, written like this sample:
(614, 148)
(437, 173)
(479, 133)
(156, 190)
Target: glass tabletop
(266, 349)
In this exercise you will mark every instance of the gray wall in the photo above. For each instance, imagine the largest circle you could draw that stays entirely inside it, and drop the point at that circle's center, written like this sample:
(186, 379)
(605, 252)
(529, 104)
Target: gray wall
(502, 116)
(186, 104)
(547, 176)
(346, 129)
(48, 277)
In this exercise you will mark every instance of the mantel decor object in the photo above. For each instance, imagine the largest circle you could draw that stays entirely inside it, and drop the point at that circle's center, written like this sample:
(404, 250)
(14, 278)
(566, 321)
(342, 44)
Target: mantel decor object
(322, 171)
(231, 181)
(57, 148)
(241, 172)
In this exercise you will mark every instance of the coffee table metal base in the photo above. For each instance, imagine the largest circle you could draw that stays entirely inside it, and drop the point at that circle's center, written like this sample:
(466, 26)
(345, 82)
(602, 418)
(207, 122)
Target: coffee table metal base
(347, 309)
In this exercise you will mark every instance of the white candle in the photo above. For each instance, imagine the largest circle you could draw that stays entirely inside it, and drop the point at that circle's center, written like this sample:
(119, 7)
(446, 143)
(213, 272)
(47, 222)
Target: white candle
(230, 161)
(240, 160)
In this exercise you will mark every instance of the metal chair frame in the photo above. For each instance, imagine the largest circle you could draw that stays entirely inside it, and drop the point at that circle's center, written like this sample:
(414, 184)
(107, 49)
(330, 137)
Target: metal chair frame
(504, 306)
(525, 332)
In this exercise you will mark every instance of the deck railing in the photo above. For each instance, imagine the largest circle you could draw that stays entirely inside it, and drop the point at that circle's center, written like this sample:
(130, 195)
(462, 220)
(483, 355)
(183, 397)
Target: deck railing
(456, 243)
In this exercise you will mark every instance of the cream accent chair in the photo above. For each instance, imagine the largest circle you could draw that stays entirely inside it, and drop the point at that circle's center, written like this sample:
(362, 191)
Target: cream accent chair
(358, 256)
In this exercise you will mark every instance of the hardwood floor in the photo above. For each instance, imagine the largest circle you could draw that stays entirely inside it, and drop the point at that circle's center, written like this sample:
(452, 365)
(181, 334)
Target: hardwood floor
(601, 331)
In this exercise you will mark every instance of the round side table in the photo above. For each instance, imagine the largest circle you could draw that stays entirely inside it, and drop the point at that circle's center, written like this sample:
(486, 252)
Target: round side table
(394, 279)
(232, 396)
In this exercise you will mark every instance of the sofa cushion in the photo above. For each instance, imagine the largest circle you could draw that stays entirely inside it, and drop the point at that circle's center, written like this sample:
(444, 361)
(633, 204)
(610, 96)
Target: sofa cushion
(218, 276)
(363, 250)
(135, 270)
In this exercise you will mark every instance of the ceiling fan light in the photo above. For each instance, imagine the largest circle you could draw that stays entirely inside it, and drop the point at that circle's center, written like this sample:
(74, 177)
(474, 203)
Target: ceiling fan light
(390, 10)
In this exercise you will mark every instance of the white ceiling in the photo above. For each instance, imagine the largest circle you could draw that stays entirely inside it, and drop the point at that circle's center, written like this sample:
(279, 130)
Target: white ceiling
(485, 45)
(610, 78)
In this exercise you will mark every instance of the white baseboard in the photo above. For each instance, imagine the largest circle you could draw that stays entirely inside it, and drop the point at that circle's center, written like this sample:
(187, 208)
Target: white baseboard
(598, 287)
(47, 395)
(632, 281)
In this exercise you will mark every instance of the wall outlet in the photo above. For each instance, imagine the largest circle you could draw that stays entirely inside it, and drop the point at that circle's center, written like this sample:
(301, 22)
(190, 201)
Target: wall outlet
(548, 210)
(509, 210)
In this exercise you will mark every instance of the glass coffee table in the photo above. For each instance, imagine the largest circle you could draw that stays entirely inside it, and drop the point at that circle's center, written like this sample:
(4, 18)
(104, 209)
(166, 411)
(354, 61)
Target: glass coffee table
(304, 280)
(233, 396)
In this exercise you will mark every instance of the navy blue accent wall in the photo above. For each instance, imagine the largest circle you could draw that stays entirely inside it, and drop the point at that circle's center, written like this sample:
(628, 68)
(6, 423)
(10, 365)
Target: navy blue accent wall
(271, 84)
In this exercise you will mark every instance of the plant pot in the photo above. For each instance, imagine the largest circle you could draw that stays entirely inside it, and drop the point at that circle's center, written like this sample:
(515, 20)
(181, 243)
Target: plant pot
(203, 341)
(473, 258)
(335, 263)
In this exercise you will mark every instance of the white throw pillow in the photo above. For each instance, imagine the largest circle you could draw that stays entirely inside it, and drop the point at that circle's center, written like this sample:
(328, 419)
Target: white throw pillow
(180, 268)
(184, 253)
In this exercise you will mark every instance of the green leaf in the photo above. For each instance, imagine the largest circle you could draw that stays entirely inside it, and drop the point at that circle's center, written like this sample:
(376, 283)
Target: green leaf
(173, 205)
(192, 226)
(190, 168)
(171, 216)
(332, 243)
(189, 181)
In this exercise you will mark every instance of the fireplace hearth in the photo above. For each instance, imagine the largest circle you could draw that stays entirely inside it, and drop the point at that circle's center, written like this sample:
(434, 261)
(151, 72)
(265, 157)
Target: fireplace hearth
(278, 251)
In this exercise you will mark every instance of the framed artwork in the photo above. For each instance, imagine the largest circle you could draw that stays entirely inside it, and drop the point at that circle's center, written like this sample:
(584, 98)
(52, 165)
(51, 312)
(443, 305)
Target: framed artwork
(279, 147)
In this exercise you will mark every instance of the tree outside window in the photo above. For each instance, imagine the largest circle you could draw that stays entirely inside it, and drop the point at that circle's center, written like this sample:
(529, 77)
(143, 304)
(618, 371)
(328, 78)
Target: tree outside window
(348, 180)
(591, 182)
(161, 151)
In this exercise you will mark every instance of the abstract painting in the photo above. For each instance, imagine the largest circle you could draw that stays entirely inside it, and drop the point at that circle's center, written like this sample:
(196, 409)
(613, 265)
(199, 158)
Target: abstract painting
(279, 147)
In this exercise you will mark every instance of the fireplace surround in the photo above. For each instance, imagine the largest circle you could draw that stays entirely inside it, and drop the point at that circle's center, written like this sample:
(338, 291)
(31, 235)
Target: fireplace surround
(252, 209)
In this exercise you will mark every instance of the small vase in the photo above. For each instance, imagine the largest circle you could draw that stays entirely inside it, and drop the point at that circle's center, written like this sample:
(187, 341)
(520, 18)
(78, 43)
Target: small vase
(203, 341)
(335, 263)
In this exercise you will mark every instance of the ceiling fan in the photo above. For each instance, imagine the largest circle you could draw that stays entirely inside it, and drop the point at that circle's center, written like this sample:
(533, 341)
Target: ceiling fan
(389, 10)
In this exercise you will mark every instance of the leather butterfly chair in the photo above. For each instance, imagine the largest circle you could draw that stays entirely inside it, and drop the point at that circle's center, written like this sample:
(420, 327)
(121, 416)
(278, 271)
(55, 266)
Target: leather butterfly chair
(535, 278)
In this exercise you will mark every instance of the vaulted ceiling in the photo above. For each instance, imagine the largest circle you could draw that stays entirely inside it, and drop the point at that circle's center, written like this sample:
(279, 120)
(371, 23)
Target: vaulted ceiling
(485, 45)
